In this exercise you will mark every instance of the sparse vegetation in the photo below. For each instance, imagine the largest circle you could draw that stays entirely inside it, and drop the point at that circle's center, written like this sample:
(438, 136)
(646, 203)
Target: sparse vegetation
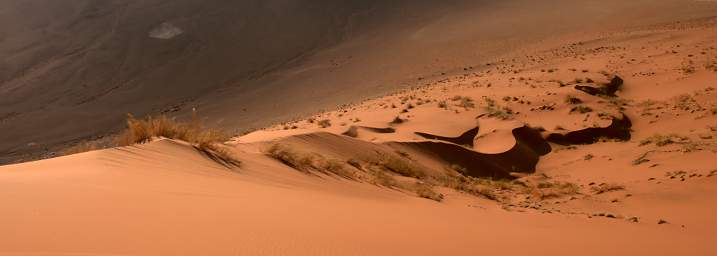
(80, 148)
(397, 120)
(326, 123)
(291, 157)
(399, 166)
(443, 104)
(572, 100)
(686, 102)
(582, 109)
(663, 140)
(548, 190)
(426, 191)
(605, 187)
(207, 141)
(465, 102)
(308, 162)
(494, 110)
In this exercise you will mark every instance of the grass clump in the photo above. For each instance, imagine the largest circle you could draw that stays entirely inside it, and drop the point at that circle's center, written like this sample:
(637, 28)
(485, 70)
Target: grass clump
(607, 187)
(207, 141)
(663, 140)
(326, 123)
(573, 100)
(291, 157)
(548, 190)
(582, 109)
(426, 191)
(400, 166)
(81, 148)
(309, 162)
(496, 111)
(686, 102)
(442, 104)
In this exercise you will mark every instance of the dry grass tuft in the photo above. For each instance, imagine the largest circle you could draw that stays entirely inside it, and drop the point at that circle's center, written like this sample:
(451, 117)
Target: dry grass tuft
(492, 109)
(548, 190)
(573, 100)
(207, 141)
(605, 187)
(582, 109)
(80, 148)
(292, 158)
(310, 162)
(663, 140)
(426, 191)
(399, 166)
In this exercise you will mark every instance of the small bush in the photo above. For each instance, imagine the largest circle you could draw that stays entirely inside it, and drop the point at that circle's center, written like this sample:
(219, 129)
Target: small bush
(326, 123)
(442, 104)
(573, 100)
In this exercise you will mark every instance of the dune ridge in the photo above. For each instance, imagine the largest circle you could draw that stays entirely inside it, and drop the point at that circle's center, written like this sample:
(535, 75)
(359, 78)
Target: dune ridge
(361, 187)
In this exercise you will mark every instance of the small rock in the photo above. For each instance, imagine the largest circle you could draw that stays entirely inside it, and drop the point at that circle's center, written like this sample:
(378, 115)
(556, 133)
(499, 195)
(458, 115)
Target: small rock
(633, 219)
(661, 221)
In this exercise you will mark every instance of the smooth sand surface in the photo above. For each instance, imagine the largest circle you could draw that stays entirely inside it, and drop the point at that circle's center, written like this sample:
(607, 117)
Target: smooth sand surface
(167, 198)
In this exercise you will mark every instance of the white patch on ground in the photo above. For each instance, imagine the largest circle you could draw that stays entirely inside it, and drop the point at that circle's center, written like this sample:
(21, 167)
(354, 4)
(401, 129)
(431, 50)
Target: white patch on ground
(165, 31)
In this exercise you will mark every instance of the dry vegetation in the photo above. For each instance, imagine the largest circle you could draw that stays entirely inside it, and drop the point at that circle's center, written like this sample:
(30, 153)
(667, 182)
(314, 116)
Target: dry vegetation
(384, 168)
(582, 109)
(663, 140)
(308, 162)
(207, 141)
(573, 100)
(492, 109)
(604, 188)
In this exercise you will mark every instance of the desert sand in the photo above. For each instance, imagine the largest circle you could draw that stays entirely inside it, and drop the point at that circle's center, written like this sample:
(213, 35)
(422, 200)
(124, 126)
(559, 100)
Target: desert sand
(595, 141)
(80, 68)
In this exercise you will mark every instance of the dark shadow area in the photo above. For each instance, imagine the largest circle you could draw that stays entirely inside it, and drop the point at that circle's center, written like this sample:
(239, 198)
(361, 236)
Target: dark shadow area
(521, 158)
(466, 138)
(353, 130)
(608, 89)
(619, 129)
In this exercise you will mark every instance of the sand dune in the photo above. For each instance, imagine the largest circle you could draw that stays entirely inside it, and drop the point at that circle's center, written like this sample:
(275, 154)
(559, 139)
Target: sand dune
(82, 67)
(526, 147)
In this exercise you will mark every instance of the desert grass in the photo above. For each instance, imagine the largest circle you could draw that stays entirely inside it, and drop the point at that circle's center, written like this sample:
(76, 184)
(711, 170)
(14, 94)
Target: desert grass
(661, 140)
(494, 110)
(207, 141)
(81, 147)
(426, 191)
(582, 109)
(607, 187)
(310, 163)
(573, 100)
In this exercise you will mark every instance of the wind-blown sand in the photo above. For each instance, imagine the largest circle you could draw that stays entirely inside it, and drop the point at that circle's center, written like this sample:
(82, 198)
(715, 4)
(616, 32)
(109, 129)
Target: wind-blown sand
(166, 198)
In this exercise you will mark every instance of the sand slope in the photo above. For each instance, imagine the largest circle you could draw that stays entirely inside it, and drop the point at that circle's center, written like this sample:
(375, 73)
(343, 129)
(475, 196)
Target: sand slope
(82, 67)
(164, 198)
